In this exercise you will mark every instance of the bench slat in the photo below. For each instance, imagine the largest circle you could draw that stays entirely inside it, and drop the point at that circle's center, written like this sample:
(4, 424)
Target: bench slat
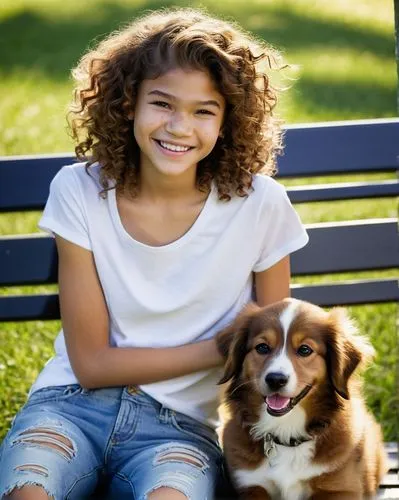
(388, 494)
(338, 247)
(391, 449)
(340, 147)
(28, 260)
(348, 246)
(389, 488)
(31, 307)
(390, 480)
(343, 191)
(37, 172)
(348, 293)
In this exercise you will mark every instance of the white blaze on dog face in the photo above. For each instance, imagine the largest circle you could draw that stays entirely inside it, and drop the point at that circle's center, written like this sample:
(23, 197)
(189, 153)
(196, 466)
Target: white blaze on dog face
(282, 362)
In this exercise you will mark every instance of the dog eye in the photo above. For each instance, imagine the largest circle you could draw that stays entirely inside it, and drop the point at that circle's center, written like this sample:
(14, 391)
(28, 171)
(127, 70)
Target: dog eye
(304, 351)
(262, 349)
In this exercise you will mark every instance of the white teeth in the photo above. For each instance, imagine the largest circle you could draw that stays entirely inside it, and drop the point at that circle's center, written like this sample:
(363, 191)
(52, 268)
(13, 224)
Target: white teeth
(172, 147)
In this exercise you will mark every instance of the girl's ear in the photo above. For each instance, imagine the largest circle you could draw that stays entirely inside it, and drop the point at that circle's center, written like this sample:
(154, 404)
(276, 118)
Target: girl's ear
(130, 115)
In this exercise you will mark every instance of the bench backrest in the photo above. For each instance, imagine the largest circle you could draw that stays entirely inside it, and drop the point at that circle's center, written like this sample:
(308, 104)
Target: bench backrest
(311, 151)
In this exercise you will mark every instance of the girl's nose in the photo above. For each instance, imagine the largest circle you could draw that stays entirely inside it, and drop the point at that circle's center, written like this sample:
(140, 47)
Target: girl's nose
(179, 124)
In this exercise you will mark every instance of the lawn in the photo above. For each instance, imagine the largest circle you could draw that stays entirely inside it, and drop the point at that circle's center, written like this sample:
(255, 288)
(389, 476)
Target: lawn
(346, 70)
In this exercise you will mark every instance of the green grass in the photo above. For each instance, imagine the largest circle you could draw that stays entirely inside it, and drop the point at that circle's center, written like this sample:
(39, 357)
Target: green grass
(345, 54)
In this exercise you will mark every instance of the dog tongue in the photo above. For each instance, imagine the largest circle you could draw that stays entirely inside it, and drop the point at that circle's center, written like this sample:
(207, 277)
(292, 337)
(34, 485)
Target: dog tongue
(277, 402)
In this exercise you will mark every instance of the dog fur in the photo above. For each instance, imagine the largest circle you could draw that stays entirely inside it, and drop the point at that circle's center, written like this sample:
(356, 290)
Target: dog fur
(311, 355)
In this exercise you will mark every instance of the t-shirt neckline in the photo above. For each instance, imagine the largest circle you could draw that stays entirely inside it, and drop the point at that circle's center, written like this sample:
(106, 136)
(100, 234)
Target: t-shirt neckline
(199, 222)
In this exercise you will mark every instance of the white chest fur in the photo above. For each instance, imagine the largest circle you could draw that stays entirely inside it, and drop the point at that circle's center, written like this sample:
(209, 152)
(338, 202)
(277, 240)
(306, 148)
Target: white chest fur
(285, 475)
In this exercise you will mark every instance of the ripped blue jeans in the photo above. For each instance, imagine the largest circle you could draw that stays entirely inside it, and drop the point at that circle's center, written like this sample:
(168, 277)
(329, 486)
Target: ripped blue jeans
(68, 439)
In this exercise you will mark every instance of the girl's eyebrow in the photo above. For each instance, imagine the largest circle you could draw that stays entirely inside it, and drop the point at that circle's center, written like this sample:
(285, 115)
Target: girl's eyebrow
(173, 98)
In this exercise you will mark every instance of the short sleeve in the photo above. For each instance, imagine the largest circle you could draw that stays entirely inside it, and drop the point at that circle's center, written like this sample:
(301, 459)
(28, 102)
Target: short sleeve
(64, 213)
(280, 227)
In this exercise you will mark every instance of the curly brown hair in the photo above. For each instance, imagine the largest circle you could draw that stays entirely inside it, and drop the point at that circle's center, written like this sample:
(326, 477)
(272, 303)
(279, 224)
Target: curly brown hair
(107, 80)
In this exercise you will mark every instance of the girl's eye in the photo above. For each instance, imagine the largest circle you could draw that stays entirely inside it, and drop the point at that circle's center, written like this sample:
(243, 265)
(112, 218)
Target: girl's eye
(304, 351)
(161, 104)
(262, 349)
(205, 112)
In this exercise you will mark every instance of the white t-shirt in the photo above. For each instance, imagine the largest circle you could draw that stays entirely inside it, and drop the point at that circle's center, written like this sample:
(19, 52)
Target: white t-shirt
(182, 292)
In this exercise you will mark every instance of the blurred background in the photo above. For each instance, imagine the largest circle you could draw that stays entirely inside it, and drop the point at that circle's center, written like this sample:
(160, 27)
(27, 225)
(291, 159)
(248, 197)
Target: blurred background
(345, 53)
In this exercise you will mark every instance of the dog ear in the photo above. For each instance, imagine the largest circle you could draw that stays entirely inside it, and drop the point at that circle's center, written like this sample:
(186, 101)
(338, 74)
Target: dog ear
(232, 342)
(345, 350)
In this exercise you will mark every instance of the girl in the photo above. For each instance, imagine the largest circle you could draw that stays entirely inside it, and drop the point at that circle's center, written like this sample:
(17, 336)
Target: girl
(164, 232)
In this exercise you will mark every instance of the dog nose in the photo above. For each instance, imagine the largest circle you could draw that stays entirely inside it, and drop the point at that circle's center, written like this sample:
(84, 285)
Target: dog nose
(276, 380)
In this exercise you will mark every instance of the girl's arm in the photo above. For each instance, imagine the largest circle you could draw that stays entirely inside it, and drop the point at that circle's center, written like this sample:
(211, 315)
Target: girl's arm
(86, 328)
(274, 283)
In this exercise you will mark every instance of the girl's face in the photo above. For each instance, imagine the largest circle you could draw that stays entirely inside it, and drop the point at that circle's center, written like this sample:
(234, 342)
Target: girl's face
(177, 120)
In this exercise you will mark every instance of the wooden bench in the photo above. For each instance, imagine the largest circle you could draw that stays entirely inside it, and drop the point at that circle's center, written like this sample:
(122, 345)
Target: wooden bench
(314, 150)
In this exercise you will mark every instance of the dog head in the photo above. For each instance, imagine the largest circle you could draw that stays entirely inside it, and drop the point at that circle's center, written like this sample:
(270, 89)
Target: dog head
(287, 351)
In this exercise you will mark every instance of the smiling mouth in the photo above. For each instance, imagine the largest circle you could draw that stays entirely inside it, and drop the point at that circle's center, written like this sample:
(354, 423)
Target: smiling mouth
(278, 405)
(173, 148)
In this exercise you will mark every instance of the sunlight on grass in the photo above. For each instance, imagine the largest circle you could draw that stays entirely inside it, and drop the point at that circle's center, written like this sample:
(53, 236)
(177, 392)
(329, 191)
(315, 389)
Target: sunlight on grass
(349, 209)
(321, 63)
(33, 121)
(25, 348)
(378, 323)
(19, 223)
(376, 15)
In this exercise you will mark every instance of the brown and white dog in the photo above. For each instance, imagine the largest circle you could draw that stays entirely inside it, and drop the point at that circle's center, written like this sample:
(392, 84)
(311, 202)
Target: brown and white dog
(296, 426)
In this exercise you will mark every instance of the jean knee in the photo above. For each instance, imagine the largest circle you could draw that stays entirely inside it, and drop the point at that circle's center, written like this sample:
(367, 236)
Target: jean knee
(184, 471)
(51, 437)
(30, 455)
(182, 453)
